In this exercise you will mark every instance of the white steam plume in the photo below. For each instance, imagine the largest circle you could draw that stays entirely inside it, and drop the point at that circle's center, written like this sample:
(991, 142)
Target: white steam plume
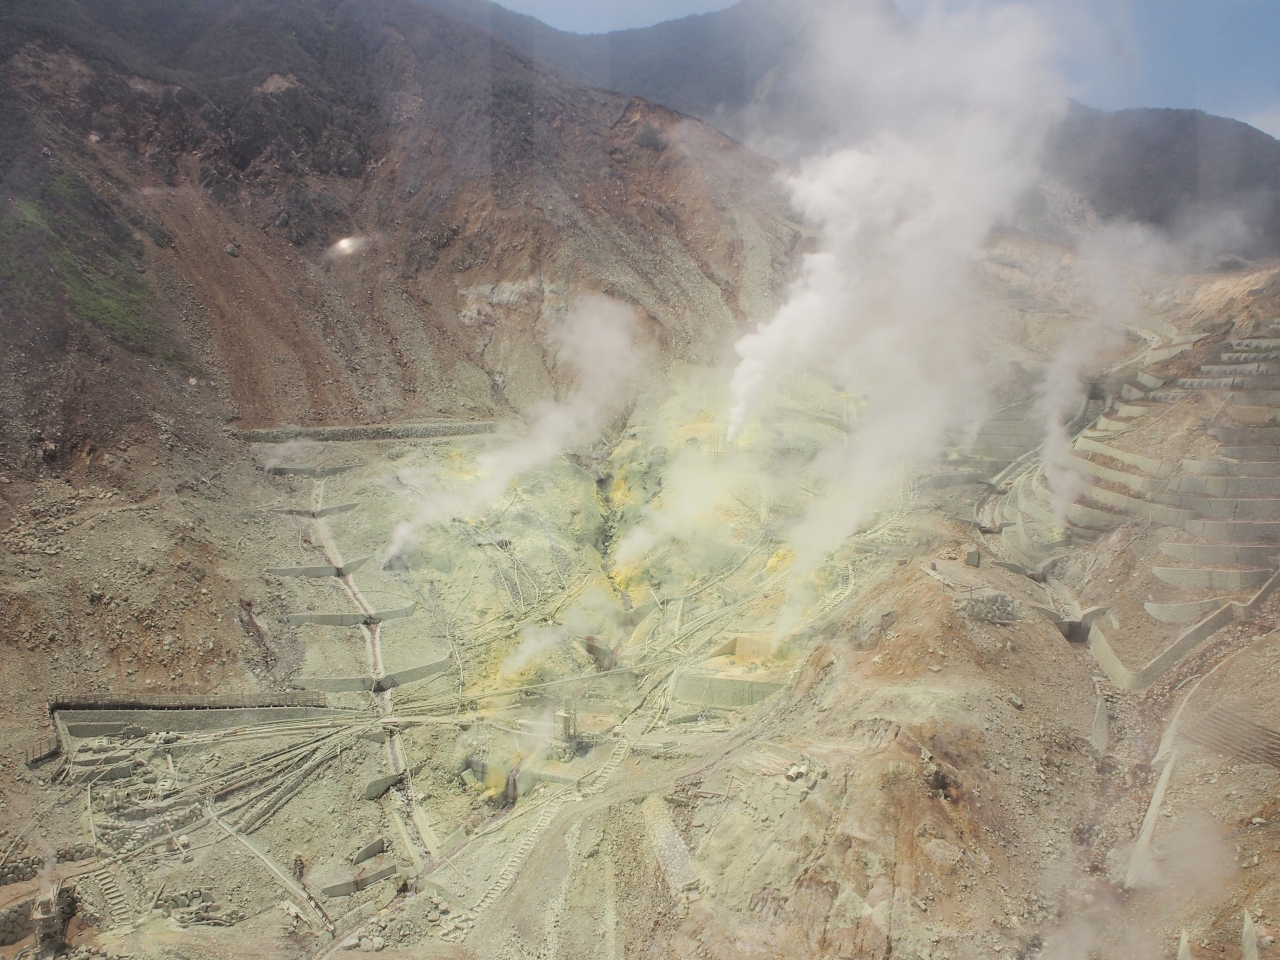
(593, 614)
(953, 112)
(49, 859)
(1108, 260)
(599, 353)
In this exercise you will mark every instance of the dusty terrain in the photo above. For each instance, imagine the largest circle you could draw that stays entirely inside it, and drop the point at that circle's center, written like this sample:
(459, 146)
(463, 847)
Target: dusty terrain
(561, 753)
(603, 713)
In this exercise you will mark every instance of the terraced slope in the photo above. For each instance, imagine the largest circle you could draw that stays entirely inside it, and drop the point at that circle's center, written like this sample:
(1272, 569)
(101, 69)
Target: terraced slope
(1186, 461)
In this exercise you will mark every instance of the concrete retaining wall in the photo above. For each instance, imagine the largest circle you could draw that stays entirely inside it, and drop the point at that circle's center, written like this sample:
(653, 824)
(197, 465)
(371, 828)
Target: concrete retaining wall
(1186, 612)
(722, 691)
(940, 480)
(387, 431)
(1209, 578)
(319, 571)
(1234, 531)
(398, 678)
(1083, 515)
(1227, 383)
(1148, 465)
(288, 698)
(1256, 454)
(336, 684)
(1155, 512)
(328, 619)
(1219, 553)
(97, 723)
(1246, 436)
(350, 619)
(1224, 508)
(1137, 483)
(1188, 640)
(314, 473)
(316, 514)
(379, 868)
(1220, 468)
(1224, 486)
(1106, 657)
(1185, 643)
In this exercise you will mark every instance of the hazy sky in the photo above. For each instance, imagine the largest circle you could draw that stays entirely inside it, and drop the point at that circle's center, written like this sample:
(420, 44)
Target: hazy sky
(1222, 56)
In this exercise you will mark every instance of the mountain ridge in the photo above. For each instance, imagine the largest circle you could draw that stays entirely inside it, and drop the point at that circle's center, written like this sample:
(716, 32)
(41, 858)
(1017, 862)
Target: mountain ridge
(1164, 167)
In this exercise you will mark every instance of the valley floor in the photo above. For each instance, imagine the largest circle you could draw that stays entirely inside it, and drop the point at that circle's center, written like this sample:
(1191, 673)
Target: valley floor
(610, 716)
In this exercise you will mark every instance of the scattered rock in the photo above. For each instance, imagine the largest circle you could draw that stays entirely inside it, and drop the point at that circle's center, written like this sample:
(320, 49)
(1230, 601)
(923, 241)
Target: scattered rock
(993, 608)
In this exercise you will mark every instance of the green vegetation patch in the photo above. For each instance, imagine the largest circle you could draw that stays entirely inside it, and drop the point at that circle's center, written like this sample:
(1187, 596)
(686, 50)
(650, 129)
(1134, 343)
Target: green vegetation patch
(66, 248)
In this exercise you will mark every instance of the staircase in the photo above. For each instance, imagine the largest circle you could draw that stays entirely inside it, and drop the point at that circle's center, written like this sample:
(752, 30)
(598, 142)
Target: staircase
(620, 751)
(117, 905)
(512, 867)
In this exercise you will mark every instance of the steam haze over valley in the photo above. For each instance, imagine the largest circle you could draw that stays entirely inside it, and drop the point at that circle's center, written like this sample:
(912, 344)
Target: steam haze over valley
(797, 480)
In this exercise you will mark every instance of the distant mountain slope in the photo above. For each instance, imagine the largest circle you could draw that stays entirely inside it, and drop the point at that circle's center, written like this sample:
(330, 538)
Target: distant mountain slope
(732, 68)
(1174, 168)
(736, 69)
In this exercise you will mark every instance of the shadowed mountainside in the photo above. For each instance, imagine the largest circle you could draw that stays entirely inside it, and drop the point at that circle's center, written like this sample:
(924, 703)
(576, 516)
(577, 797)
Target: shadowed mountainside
(1173, 168)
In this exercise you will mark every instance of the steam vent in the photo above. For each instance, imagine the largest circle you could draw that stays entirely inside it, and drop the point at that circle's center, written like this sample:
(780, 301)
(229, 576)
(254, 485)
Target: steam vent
(779, 483)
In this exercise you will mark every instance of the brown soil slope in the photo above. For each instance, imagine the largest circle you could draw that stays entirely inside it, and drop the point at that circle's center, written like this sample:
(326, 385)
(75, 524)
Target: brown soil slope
(174, 177)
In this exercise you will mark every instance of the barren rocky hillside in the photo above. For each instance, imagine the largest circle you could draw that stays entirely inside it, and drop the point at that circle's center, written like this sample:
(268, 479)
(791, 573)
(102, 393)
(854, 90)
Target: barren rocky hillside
(175, 195)
(307, 650)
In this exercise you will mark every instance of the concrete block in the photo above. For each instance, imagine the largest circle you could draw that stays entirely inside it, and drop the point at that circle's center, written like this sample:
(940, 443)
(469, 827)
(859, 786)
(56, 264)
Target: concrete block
(316, 514)
(722, 690)
(398, 678)
(369, 851)
(336, 684)
(375, 788)
(1099, 736)
(1248, 939)
(353, 880)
